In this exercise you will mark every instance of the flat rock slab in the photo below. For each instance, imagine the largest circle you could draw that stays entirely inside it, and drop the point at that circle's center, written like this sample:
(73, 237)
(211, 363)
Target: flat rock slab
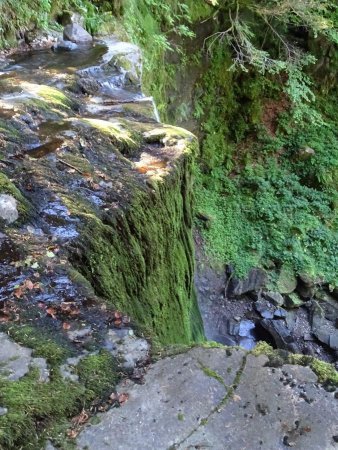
(16, 361)
(216, 399)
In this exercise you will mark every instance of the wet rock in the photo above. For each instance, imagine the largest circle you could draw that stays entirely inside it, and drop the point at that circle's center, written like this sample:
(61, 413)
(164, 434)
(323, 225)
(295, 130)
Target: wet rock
(274, 297)
(287, 281)
(306, 286)
(323, 328)
(88, 85)
(61, 44)
(233, 327)
(125, 345)
(75, 33)
(280, 313)
(256, 280)
(39, 39)
(280, 334)
(80, 335)
(8, 208)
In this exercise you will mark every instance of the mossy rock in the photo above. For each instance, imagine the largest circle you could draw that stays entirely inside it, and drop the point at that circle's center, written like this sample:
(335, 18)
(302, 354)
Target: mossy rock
(287, 281)
(325, 372)
(8, 187)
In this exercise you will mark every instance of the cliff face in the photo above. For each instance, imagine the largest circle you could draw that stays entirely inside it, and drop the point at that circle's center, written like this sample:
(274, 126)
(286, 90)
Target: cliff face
(140, 256)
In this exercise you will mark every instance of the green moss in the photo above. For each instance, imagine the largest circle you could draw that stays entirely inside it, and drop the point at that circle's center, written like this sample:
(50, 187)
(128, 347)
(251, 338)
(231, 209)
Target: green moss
(142, 262)
(7, 187)
(125, 140)
(325, 372)
(98, 373)
(211, 373)
(42, 342)
(33, 407)
(180, 417)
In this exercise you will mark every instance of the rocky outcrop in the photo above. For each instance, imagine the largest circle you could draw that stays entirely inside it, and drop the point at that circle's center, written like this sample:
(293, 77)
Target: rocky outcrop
(255, 281)
(216, 398)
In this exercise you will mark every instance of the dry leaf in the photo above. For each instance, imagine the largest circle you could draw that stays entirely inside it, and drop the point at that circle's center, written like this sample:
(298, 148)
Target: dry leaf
(66, 325)
(51, 312)
(122, 398)
(28, 284)
(18, 293)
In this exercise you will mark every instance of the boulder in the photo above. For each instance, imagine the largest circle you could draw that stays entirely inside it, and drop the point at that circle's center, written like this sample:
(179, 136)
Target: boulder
(126, 58)
(70, 17)
(287, 281)
(75, 33)
(274, 297)
(293, 301)
(8, 208)
(265, 309)
(256, 280)
(280, 334)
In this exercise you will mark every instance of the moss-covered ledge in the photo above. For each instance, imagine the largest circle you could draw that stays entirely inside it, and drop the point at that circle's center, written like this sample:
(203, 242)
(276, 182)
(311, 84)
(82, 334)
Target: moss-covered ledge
(140, 256)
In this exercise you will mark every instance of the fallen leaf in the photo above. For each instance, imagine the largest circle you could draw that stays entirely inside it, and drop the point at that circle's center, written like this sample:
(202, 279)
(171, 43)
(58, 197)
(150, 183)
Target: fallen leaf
(81, 418)
(50, 254)
(72, 434)
(74, 312)
(236, 398)
(28, 284)
(18, 293)
(51, 312)
(122, 398)
(66, 325)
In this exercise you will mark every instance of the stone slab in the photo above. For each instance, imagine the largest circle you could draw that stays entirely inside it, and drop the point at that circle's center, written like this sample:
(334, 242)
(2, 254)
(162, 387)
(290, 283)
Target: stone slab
(183, 405)
(176, 396)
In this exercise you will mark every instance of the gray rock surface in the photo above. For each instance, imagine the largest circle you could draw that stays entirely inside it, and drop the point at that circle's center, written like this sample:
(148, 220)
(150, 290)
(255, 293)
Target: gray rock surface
(16, 361)
(256, 280)
(123, 344)
(75, 33)
(126, 58)
(8, 208)
(186, 403)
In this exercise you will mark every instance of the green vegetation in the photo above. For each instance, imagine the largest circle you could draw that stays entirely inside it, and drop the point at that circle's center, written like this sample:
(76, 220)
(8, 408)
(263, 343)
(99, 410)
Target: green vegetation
(7, 187)
(32, 415)
(325, 372)
(43, 343)
(269, 202)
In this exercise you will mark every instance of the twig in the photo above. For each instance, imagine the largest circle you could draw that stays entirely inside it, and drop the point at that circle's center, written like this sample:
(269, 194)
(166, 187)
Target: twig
(69, 165)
